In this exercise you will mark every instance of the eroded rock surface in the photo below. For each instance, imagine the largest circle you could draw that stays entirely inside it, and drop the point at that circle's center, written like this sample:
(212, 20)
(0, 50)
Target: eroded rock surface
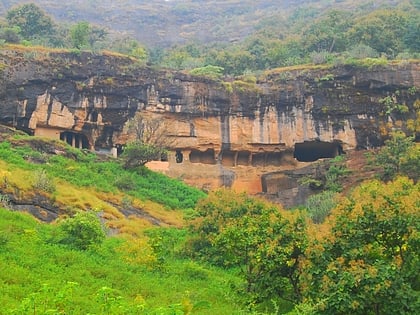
(227, 133)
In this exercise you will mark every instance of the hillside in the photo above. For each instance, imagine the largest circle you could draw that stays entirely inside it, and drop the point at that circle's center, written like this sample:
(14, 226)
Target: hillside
(136, 266)
(49, 177)
(124, 242)
(164, 23)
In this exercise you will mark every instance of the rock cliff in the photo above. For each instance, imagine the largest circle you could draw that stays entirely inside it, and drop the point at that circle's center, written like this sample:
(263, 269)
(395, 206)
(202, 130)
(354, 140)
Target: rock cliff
(224, 133)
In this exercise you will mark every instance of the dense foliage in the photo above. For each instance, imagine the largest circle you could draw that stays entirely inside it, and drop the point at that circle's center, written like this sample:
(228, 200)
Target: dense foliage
(369, 261)
(400, 155)
(359, 254)
(335, 36)
(247, 233)
(309, 33)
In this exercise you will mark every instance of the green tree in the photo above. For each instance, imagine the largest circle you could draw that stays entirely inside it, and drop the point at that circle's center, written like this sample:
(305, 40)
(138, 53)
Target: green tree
(328, 33)
(285, 53)
(10, 34)
(412, 34)
(32, 21)
(96, 36)
(400, 155)
(129, 46)
(320, 205)
(382, 30)
(209, 71)
(140, 53)
(368, 262)
(151, 141)
(175, 59)
(79, 34)
(239, 231)
(234, 61)
(138, 153)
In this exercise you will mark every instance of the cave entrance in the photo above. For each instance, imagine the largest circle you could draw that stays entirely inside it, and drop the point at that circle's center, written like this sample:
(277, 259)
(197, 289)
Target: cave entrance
(76, 140)
(206, 157)
(228, 158)
(179, 156)
(244, 157)
(310, 151)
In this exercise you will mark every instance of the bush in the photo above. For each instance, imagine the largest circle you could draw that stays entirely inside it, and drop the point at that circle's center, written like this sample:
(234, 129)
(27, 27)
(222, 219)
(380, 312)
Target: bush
(43, 182)
(320, 205)
(399, 156)
(212, 72)
(125, 182)
(4, 201)
(83, 231)
(321, 57)
(362, 51)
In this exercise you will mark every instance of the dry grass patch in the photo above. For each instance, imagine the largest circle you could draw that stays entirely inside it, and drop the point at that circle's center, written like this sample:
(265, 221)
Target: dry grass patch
(174, 218)
(83, 199)
(13, 178)
(132, 226)
(297, 68)
(24, 48)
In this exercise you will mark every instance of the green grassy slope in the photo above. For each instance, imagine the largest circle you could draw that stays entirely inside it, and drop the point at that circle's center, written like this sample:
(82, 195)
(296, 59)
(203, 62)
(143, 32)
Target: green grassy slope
(40, 277)
(136, 270)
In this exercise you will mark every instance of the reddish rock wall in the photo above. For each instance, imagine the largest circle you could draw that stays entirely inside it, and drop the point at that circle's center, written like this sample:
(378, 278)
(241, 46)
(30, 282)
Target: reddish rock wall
(229, 133)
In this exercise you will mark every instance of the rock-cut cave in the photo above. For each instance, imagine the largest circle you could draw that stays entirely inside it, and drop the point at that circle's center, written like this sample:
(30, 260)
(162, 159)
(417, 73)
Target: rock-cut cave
(310, 151)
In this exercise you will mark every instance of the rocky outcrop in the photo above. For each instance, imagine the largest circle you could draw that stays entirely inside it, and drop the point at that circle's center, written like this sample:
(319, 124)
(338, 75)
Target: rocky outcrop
(228, 133)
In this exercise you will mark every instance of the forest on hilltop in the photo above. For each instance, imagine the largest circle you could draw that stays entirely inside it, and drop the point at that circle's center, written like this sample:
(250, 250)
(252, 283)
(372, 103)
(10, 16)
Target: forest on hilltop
(238, 37)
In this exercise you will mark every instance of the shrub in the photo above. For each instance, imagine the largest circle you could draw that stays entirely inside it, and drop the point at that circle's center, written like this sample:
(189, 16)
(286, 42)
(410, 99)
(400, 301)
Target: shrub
(362, 51)
(320, 57)
(212, 72)
(335, 173)
(83, 231)
(138, 153)
(125, 182)
(320, 205)
(43, 182)
(4, 200)
(399, 156)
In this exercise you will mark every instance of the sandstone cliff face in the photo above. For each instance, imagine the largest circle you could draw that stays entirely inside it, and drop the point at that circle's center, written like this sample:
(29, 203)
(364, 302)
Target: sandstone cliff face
(224, 134)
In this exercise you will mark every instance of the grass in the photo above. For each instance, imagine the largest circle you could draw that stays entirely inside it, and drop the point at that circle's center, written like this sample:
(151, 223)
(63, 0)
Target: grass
(298, 67)
(78, 169)
(36, 272)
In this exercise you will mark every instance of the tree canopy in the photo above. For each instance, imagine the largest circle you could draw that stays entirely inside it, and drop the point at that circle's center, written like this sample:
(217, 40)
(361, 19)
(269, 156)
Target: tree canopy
(236, 230)
(369, 261)
(32, 21)
(305, 35)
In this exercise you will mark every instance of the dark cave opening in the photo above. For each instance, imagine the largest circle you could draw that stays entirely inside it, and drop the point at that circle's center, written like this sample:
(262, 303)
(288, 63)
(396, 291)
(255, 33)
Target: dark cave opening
(76, 140)
(179, 156)
(206, 157)
(258, 159)
(310, 151)
(244, 158)
(228, 158)
(274, 158)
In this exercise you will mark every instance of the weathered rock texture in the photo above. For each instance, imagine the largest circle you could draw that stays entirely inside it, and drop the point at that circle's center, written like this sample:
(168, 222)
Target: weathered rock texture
(228, 133)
